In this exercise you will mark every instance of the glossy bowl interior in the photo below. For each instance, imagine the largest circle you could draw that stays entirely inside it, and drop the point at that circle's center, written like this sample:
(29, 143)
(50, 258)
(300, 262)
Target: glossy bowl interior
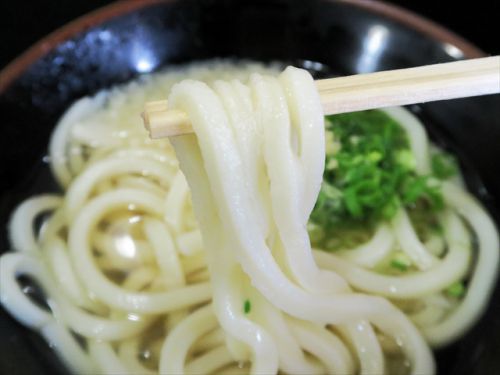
(122, 41)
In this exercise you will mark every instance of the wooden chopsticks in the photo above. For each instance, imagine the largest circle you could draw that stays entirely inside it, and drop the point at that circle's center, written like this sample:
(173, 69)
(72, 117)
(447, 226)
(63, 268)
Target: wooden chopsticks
(368, 91)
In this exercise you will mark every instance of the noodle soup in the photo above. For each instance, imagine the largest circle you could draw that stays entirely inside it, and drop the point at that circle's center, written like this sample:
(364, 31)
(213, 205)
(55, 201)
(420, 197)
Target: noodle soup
(137, 283)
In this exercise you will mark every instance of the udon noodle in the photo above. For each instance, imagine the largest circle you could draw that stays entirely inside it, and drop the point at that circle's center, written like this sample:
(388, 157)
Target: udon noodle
(149, 267)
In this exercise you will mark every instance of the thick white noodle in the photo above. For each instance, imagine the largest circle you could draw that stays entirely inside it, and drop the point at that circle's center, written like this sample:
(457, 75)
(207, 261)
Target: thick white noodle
(59, 141)
(210, 361)
(102, 287)
(128, 351)
(416, 135)
(176, 347)
(80, 190)
(410, 243)
(324, 345)
(21, 225)
(481, 283)
(452, 268)
(374, 251)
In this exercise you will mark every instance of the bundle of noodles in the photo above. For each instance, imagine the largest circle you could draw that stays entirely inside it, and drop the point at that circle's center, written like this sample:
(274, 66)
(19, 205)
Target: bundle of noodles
(255, 167)
(133, 283)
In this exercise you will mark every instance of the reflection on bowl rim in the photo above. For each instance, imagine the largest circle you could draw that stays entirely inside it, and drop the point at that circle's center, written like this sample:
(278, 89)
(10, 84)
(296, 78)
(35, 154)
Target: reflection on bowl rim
(19, 65)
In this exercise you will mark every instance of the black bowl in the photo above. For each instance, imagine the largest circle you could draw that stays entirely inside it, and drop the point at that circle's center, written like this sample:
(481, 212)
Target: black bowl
(123, 40)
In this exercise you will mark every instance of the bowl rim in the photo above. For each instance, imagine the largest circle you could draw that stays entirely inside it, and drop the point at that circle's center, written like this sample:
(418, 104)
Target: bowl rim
(13, 70)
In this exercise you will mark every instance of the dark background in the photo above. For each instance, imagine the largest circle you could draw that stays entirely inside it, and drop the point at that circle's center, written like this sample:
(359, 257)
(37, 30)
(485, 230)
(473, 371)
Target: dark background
(23, 22)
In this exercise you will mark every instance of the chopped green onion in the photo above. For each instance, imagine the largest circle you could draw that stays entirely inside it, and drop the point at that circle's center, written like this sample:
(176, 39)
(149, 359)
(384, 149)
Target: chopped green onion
(401, 261)
(331, 147)
(370, 172)
(374, 156)
(456, 289)
(443, 165)
(406, 159)
(398, 265)
(331, 164)
(247, 306)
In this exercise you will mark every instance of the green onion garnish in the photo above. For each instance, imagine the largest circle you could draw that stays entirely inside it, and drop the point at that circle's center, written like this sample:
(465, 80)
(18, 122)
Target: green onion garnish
(369, 173)
(247, 306)
(456, 289)
(399, 265)
(443, 165)
(400, 261)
